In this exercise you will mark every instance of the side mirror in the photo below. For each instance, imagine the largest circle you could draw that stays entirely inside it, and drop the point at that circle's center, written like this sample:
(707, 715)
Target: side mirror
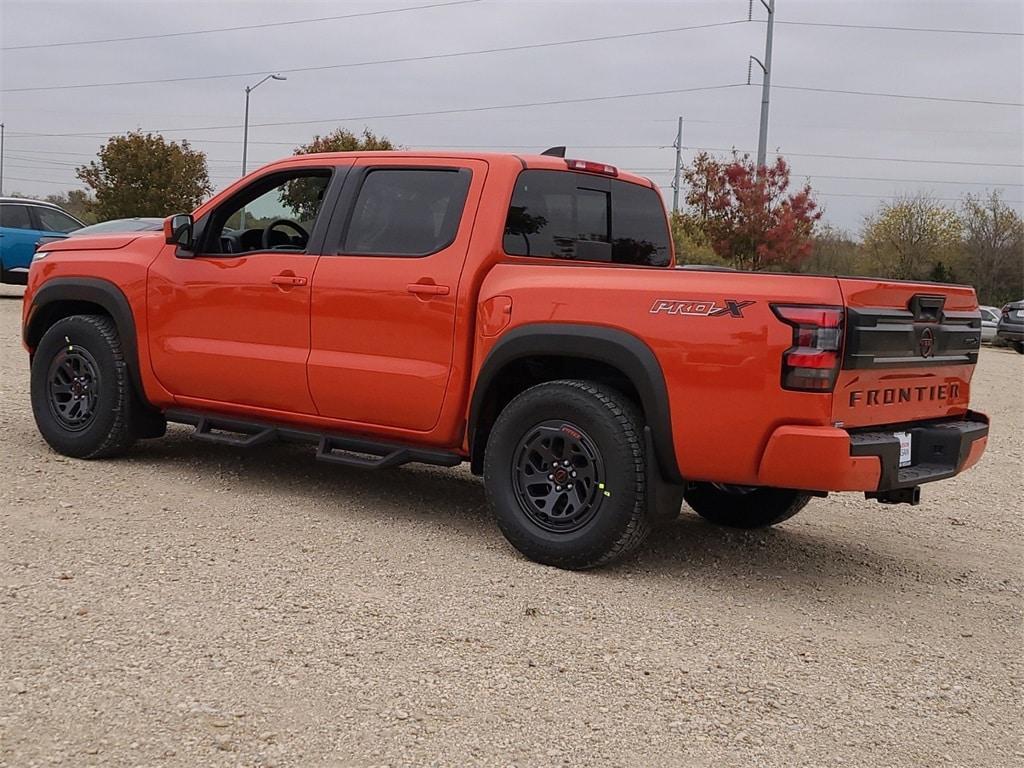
(178, 230)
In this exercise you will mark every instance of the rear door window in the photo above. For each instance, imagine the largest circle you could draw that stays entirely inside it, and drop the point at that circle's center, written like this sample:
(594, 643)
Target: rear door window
(407, 211)
(15, 217)
(51, 220)
(564, 215)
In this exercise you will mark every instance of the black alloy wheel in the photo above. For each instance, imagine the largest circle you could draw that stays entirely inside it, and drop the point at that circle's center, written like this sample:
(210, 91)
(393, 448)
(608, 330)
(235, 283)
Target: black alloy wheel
(558, 473)
(72, 388)
(82, 395)
(566, 474)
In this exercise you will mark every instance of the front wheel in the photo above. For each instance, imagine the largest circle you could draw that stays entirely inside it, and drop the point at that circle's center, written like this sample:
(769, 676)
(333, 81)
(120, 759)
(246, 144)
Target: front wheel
(1019, 346)
(744, 507)
(564, 470)
(82, 396)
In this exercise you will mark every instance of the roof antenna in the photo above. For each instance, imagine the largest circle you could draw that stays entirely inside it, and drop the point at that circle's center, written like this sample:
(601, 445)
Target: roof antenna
(554, 152)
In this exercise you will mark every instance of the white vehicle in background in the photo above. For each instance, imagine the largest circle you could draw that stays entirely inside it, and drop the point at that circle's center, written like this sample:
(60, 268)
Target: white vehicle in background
(989, 323)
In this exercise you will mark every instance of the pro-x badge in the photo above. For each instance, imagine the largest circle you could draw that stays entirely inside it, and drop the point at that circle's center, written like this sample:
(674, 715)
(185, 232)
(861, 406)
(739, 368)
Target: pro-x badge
(700, 307)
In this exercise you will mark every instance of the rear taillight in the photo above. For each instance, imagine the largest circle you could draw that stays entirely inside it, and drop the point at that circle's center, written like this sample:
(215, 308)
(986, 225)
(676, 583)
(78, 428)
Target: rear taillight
(812, 363)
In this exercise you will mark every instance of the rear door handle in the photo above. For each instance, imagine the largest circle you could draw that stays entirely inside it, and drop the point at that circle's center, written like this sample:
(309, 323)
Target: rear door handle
(288, 280)
(428, 289)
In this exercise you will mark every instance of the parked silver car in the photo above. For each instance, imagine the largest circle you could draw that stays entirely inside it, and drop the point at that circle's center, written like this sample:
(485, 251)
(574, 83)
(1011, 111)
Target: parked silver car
(120, 226)
(989, 323)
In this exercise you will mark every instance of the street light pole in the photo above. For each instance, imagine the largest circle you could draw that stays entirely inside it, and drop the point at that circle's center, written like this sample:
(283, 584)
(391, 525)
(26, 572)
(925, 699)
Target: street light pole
(245, 134)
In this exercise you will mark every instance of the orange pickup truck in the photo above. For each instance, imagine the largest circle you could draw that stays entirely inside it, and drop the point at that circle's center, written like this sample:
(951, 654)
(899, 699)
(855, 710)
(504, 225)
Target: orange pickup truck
(521, 313)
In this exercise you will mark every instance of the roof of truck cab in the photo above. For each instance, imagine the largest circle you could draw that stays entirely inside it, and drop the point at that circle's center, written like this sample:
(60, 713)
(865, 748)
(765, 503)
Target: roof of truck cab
(541, 162)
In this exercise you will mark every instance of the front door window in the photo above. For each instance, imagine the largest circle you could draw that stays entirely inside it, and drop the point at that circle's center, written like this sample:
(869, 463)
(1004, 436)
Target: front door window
(276, 213)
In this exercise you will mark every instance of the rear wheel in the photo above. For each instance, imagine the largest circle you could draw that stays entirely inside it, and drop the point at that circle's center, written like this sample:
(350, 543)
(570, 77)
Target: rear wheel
(564, 470)
(82, 397)
(743, 506)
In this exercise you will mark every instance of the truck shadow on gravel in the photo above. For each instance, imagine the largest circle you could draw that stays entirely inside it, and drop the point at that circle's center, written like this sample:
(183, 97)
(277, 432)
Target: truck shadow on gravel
(793, 556)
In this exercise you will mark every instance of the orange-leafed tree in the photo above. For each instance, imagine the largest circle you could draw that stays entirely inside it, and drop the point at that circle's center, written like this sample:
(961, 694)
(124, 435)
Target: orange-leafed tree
(751, 220)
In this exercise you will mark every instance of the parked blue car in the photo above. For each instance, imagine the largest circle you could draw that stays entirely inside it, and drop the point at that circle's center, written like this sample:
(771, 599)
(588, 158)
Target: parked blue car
(22, 224)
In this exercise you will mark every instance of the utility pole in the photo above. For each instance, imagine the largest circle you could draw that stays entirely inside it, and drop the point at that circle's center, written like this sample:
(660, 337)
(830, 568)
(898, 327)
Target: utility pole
(766, 83)
(1, 159)
(679, 166)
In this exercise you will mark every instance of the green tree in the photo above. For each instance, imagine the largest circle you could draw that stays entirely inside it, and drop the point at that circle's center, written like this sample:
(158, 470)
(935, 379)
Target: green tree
(77, 202)
(341, 140)
(834, 252)
(145, 175)
(992, 255)
(748, 215)
(303, 195)
(913, 238)
(691, 244)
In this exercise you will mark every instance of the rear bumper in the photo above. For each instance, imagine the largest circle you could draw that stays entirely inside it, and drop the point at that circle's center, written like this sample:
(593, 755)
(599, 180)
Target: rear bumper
(833, 459)
(1010, 333)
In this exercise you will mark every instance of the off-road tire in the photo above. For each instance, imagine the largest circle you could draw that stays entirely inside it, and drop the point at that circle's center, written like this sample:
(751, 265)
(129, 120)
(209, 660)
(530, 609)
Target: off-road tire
(754, 508)
(113, 426)
(612, 425)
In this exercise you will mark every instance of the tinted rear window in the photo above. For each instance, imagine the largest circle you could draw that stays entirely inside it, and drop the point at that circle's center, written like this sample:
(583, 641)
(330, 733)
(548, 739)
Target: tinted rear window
(15, 217)
(581, 216)
(55, 221)
(408, 211)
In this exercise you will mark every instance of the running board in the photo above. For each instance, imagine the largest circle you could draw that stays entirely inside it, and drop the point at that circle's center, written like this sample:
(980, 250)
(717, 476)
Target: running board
(332, 447)
(230, 432)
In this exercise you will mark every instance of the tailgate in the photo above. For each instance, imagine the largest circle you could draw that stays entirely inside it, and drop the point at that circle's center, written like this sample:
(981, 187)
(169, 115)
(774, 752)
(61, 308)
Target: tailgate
(909, 353)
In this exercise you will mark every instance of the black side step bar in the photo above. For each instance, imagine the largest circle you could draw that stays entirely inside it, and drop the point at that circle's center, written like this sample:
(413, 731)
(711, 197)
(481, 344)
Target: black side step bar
(332, 447)
(230, 432)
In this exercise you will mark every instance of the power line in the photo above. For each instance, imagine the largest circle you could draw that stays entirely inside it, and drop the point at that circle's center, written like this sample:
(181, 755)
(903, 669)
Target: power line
(887, 179)
(778, 152)
(917, 97)
(41, 181)
(902, 160)
(707, 149)
(492, 107)
(899, 197)
(900, 29)
(239, 28)
(454, 111)
(879, 197)
(19, 156)
(376, 62)
(319, 19)
(918, 181)
(554, 119)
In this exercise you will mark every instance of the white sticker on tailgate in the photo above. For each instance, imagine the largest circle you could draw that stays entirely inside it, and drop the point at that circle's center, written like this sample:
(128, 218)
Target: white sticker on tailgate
(904, 438)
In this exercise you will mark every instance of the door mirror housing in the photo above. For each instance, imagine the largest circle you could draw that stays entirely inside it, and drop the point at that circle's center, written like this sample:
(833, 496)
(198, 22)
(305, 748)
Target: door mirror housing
(178, 230)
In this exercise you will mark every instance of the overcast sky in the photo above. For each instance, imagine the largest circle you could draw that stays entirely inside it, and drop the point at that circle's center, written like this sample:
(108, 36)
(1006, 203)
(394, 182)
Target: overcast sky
(969, 147)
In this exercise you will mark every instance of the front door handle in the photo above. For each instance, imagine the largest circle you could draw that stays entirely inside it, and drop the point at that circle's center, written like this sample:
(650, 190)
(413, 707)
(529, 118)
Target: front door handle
(428, 289)
(288, 280)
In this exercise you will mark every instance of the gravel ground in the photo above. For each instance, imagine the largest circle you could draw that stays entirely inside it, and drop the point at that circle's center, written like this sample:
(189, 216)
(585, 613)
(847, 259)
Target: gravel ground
(195, 605)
